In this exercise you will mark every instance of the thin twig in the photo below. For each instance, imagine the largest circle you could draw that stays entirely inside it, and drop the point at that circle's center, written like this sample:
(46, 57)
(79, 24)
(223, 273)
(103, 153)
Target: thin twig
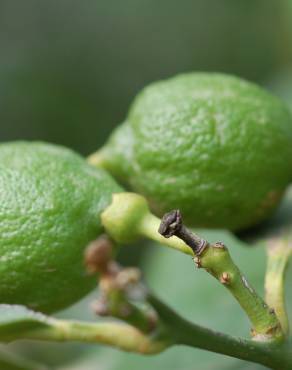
(279, 251)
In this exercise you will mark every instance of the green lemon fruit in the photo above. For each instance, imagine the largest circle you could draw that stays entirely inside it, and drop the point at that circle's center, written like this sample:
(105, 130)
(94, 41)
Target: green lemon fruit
(50, 206)
(215, 146)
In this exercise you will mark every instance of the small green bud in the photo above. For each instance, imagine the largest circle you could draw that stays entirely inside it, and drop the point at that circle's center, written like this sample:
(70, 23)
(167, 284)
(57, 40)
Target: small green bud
(123, 217)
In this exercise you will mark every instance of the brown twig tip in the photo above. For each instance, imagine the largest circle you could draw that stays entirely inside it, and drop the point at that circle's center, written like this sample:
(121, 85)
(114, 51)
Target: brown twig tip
(172, 225)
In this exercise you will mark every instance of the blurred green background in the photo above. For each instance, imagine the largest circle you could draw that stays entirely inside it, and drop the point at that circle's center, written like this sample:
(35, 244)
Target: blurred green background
(68, 72)
(70, 69)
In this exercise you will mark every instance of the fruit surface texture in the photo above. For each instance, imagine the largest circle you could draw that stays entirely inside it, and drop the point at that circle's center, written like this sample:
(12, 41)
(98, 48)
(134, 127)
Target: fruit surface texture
(215, 146)
(50, 206)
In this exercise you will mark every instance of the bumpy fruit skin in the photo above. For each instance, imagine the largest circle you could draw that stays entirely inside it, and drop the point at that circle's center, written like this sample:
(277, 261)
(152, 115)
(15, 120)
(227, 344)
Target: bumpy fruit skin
(50, 206)
(214, 146)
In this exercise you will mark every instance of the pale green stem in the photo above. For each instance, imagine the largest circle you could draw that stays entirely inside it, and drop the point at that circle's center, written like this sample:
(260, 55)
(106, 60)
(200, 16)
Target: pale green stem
(119, 335)
(128, 218)
(218, 262)
(278, 252)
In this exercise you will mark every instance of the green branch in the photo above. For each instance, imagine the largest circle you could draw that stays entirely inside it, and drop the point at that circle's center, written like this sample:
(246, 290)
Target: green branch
(216, 260)
(273, 355)
(17, 322)
(118, 335)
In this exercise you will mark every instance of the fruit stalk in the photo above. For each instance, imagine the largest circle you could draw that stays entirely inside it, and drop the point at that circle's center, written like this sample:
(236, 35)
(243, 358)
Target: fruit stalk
(128, 218)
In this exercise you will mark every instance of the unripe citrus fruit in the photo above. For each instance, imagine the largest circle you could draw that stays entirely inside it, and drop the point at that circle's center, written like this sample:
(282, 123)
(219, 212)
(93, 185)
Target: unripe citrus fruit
(214, 146)
(50, 206)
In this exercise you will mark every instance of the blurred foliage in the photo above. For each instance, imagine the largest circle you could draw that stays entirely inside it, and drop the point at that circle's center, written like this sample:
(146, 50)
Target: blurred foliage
(68, 72)
(70, 69)
(281, 84)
